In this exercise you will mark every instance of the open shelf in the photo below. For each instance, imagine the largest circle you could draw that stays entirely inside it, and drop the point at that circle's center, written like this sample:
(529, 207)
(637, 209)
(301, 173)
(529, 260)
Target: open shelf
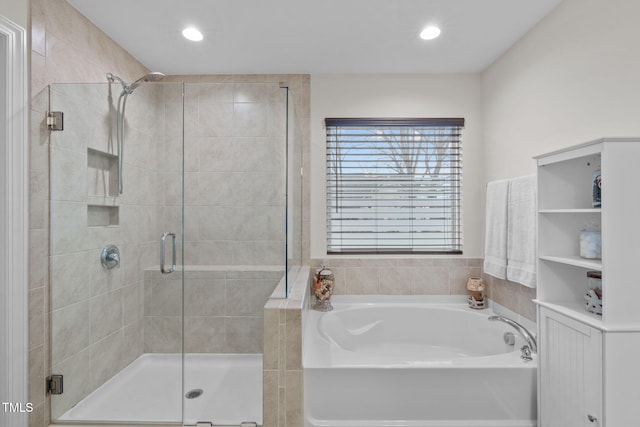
(565, 191)
(576, 261)
(571, 211)
(587, 351)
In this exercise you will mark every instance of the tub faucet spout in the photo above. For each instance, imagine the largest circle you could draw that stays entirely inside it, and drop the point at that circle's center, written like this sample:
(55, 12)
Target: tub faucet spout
(528, 336)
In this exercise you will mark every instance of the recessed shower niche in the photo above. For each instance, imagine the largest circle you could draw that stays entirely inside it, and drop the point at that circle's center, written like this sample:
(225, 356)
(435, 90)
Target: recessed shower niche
(102, 216)
(102, 188)
(102, 174)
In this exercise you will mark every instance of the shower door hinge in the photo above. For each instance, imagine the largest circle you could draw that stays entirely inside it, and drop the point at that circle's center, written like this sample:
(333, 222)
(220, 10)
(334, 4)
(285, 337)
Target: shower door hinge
(55, 384)
(55, 120)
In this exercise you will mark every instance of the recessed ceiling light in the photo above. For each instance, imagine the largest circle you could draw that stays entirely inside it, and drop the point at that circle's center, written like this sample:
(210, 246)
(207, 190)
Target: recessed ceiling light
(430, 33)
(192, 34)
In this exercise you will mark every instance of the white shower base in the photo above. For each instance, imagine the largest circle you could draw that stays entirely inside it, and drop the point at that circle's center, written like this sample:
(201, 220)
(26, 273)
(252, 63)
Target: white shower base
(150, 390)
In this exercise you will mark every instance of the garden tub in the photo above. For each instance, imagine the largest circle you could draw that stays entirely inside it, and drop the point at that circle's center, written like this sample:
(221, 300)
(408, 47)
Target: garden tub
(414, 361)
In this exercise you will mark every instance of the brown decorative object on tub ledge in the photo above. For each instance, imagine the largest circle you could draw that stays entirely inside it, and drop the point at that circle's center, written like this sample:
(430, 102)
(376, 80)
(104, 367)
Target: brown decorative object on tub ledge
(476, 295)
(323, 289)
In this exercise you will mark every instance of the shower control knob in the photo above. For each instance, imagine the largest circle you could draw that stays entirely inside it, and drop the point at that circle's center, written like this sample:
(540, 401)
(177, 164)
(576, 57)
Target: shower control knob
(110, 257)
(591, 418)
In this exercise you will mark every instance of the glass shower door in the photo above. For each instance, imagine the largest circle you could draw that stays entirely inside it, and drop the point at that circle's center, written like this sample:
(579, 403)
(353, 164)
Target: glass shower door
(235, 205)
(116, 319)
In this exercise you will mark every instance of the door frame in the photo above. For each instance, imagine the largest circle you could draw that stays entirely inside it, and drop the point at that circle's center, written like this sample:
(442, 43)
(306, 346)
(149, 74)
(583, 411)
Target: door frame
(14, 223)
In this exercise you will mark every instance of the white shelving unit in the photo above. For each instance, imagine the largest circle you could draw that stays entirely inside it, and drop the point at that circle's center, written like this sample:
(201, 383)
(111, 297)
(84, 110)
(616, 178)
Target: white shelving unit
(564, 209)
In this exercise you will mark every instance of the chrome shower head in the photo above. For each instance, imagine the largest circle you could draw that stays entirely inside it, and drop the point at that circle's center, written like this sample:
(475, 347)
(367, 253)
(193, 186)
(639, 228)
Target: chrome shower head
(151, 77)
(127, 88)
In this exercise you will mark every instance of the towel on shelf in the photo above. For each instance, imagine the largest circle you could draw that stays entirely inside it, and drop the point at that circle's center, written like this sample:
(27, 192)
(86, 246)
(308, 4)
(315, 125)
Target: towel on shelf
(495, 243)
(521, 230)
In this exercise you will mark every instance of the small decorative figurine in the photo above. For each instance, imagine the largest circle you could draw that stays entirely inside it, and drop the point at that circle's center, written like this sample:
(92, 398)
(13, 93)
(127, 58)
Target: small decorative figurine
(593, 301)
(597, 189)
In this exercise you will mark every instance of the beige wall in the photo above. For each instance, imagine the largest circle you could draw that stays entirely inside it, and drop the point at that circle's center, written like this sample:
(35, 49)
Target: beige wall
(16, 10)
(575, 77)
(399, 96)
(67, 47)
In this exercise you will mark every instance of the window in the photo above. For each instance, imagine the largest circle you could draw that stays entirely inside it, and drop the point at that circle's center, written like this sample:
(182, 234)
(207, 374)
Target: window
(394, 186)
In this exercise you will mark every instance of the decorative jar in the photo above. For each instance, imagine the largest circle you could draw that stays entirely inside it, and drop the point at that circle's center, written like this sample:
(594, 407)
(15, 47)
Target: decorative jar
(590, 244)
(323, 289)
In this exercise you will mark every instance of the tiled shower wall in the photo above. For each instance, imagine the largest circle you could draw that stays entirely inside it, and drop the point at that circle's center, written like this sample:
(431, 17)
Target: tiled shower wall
(234, 173)
(223, 309)
(235, 163)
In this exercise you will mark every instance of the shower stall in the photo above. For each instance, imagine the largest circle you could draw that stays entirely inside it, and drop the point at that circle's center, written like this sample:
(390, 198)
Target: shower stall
(170, 227)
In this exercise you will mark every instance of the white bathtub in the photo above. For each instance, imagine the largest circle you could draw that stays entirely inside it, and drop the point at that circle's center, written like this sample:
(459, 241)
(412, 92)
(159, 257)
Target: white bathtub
(414, 361)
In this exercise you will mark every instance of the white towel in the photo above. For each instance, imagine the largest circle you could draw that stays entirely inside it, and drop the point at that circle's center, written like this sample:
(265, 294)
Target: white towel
(495, 242)
(521, 230)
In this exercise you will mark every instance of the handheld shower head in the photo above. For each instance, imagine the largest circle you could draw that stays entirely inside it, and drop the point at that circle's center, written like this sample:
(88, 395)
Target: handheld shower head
(151, 77)
(127, 88)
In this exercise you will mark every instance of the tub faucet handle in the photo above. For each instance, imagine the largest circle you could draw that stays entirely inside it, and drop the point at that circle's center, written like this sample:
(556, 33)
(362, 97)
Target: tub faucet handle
(528, 336)
(526, 353)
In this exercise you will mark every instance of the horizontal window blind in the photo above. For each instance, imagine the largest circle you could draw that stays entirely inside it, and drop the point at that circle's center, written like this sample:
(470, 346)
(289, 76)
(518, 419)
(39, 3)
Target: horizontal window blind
(394, 185)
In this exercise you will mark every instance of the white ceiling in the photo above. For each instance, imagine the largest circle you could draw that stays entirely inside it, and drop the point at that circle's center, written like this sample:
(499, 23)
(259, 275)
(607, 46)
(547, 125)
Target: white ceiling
(315, 36)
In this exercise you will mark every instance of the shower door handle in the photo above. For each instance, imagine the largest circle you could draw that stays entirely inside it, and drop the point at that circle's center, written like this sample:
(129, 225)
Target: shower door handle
(173, 252)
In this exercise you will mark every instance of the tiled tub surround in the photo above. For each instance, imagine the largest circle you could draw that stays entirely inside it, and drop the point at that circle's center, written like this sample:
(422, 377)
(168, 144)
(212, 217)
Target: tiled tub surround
(401, 276)
(284, 319)
(223, 308)
(514, 296)
(282, 358)
(424, 276)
